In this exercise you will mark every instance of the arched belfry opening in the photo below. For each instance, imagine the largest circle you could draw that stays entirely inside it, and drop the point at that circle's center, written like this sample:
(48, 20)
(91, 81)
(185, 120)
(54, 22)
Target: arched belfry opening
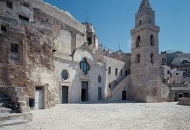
(152, 40)
(138, 40)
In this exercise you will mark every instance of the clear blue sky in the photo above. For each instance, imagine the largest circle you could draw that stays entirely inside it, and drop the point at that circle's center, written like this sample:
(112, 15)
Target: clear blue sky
(113, 20)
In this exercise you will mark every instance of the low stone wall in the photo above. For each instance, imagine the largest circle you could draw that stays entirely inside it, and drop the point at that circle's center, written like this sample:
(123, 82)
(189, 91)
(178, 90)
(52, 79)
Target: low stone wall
(184, 101)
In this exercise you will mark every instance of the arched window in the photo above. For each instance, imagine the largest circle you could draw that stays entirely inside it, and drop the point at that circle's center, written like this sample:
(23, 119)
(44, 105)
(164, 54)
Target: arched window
(138, 40)
(151, 58)
(140, 22)
(138, 57)
(152, 40)
(84, 66)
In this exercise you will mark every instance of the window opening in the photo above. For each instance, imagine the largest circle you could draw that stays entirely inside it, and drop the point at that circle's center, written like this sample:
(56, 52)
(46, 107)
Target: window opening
(14, 51)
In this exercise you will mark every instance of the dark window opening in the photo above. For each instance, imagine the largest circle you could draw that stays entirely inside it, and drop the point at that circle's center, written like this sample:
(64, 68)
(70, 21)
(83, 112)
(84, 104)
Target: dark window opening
(115, 71)
(9, 5)
(89, 40)
(152, 40)
(14, 51)
(138, 57)
(176, 73)
(121, 72)
(3, 28)
(109, 70)
(23, 19)
(138, 40)
(168, 72)
(140, 22)
(151, 58)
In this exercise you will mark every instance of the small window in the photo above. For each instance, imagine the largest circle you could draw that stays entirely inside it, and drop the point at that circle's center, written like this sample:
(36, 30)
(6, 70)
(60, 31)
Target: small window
(168, 72)
(115, 71)
(99, 79)
(140, 22)
(3, 28)
(109, 85)
(109, 70)
(64, 74)
(151, 58)
(14, 51)
(138, 57)
(9, 5)
(138, 40)
(121, 72)
(176, 73)
(23, 19)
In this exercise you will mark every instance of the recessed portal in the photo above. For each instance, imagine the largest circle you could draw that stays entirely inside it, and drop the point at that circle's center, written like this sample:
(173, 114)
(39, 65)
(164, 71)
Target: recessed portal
(84, 91)
(124, 94)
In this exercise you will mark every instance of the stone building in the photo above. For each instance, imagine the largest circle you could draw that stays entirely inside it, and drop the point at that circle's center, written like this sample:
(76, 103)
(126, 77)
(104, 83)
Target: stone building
(49, 56)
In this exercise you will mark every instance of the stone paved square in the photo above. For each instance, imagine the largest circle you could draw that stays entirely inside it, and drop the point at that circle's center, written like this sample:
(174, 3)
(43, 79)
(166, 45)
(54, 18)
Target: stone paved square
(110, 116)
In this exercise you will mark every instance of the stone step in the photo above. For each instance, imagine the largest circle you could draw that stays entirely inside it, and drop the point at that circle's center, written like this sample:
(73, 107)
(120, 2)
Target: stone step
(12, 122)
(10, 116)
(4, 110)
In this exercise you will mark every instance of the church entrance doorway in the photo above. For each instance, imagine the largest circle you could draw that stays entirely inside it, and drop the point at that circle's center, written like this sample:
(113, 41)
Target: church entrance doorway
(84, 91)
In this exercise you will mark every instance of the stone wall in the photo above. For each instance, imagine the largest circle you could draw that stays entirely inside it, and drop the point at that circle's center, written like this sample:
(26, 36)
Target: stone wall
(39, 29)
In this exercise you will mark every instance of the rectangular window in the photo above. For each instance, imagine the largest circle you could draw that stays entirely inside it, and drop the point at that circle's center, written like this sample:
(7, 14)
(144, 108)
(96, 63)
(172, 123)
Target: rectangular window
(3, 28)
(176, 73)
(168, 72)
(23, 19)
(9, 5)
(115, 71)
(109, 70)
(121, 72)
(14, 51)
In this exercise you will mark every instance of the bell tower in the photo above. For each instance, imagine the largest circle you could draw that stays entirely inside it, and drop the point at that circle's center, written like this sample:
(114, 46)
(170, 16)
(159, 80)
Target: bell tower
(145, 55)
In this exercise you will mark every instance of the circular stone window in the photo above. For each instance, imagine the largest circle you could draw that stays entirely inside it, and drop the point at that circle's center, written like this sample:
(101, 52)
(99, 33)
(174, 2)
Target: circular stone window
(64, 74)
(99, 78)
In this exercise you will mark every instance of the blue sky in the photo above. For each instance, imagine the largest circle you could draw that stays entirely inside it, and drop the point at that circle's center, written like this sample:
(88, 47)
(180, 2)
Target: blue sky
(113, 20)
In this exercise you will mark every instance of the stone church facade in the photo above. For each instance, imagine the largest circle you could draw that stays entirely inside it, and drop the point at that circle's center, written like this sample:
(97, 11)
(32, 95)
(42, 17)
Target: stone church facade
(49, 56)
